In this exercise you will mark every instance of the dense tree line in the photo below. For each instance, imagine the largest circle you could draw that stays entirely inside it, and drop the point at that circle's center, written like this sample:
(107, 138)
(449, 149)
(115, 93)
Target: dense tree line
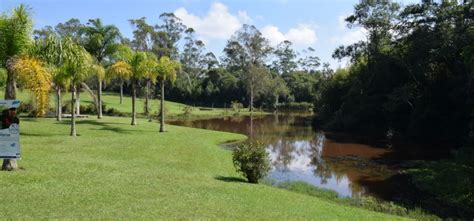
(411, 78)
(205, 80)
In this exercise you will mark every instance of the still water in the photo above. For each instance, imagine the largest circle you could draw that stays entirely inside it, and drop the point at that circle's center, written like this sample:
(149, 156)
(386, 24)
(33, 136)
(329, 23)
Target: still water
(300, 153)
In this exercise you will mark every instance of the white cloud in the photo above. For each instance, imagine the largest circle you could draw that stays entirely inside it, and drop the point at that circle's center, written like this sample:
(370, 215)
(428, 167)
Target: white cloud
(302, 35)
(341, 20)
(244, 17)
(350, 37)
(219, 23)
(273, 34)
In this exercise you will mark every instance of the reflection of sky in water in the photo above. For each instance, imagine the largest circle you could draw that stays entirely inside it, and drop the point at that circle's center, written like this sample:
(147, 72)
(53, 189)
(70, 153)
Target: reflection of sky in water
(302, 161)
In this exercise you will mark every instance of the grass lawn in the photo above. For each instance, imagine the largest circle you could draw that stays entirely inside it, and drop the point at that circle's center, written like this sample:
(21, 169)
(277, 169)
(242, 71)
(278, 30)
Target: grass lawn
(112, 100)
(114, 170)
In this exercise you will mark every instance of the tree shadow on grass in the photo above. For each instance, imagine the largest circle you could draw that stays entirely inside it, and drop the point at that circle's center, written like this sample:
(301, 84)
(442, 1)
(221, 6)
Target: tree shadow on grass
(40, 135)
(107, 126)
(114, 129)
(230, 179)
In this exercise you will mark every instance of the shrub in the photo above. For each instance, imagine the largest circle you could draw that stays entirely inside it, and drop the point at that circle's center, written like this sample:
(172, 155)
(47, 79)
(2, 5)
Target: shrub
(187, 110)
(251, 160)
(27, 108)
(112, 112)
(294, 106)
(89, 109)
(236, 106)
(205, 109)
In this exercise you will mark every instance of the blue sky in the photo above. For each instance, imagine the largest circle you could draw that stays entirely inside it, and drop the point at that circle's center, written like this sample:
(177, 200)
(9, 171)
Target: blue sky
(307, 23)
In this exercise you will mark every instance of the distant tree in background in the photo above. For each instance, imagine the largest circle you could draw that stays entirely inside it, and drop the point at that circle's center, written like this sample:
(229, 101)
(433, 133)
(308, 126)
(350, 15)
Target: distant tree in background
(285, 61)
(173, 28)
(255, 80)
(246, 52)
(73, 28)
(275, 89)
(310, 62)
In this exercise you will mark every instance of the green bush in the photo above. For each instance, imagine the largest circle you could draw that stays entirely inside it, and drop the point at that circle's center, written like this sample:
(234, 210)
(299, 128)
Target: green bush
(3, 77)
(295, 106)
(252, 161)
(187, 110)
(112, 112)
(205, 109)
(236, 106)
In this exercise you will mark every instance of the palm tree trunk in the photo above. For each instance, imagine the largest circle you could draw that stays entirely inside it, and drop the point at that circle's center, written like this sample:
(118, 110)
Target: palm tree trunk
(121, 91)
(60, 104)
(147, 95)
(73, 113)
(78, 101)
(162, 107)
(99, 100)
(10, 89)
(134, 112)
(10, 94)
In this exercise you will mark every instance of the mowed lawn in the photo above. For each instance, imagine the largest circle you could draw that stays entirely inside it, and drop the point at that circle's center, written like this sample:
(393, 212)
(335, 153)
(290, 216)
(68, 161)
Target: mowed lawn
(112, 100)
(114, 170)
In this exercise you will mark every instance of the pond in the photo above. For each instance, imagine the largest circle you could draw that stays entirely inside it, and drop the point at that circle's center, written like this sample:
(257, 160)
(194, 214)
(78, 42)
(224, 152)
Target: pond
(332, 161)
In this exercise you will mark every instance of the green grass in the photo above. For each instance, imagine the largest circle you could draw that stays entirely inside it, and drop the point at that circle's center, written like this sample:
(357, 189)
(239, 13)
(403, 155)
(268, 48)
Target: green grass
(114, 170)
(112, 100)
(365, 202)
(448, 184)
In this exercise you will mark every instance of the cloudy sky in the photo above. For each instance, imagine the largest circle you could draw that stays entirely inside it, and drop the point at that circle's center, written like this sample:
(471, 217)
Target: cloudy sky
(307, 23)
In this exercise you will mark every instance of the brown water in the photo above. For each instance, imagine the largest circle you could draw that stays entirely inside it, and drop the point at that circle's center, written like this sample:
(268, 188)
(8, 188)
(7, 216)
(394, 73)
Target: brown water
(299, 153)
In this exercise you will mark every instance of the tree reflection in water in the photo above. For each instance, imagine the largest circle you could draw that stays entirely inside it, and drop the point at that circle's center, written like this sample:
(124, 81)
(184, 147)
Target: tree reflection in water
(298, 153)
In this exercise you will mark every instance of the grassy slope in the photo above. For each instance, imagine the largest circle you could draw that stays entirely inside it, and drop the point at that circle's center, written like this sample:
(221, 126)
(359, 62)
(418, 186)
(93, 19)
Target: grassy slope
(112, 100)
(115, 170)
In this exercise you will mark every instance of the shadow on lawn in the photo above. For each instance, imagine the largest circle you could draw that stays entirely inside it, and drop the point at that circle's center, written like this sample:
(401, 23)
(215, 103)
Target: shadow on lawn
(105, 126)
(230, 179)
(40, 135)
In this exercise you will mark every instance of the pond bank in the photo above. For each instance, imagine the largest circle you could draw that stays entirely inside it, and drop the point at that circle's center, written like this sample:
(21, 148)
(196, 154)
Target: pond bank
(116, 170)
(322, 160)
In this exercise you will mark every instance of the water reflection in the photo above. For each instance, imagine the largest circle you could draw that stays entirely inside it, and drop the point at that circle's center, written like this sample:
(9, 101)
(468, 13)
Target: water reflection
(303, 160)
(298, 153)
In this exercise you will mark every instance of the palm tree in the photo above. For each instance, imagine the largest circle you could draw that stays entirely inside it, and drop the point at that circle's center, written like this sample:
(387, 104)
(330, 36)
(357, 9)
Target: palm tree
(77, 65)
(121, 70)
(136, 65)
(150, 75)
(100, 42)
(125, 54)
(51, 51)
(15, 32)
(166, 70)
